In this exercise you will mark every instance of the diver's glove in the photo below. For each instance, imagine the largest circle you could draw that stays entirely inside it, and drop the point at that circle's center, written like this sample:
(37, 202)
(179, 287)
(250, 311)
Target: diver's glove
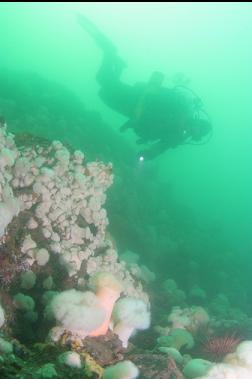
(146, 155)
(154, 150)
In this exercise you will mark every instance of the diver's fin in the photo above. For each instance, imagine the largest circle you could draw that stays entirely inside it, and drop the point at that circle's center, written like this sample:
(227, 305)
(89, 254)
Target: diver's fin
(101, 40)
(141, 141)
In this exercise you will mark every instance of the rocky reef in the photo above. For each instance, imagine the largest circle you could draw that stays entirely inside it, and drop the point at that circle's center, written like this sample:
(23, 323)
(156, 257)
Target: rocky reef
(77, 297)
(56, 250)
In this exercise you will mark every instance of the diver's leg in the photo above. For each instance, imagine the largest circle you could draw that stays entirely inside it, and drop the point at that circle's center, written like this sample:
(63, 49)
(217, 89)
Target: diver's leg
(112, 64)
(119, 97)
(114, 93)
(110, 70)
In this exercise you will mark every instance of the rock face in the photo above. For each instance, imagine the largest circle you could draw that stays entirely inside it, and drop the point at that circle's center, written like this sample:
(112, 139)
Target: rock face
(156, 366)
(53, 238)
(52, 203)
(62, 198)
(106, 350)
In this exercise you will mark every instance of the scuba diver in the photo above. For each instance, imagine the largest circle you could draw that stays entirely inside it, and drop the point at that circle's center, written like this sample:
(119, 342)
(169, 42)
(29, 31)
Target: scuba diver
(161, 117)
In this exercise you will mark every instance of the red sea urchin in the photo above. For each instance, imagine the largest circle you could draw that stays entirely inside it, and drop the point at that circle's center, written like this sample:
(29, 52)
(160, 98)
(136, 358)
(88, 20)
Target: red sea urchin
(217, 347)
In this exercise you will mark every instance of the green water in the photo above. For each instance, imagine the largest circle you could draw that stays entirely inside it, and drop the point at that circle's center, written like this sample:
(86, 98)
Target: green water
(193, 203)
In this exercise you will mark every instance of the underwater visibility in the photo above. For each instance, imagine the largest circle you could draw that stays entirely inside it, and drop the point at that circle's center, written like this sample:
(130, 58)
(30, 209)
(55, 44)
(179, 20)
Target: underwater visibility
(125, 190)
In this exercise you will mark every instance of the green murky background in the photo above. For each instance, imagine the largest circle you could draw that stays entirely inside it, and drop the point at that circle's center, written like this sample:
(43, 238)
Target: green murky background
(191, 205)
